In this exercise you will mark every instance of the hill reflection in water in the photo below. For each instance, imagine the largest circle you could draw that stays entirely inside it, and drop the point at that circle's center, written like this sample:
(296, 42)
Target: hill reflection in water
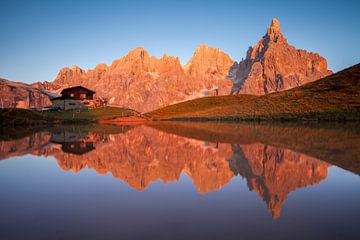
(274, 160)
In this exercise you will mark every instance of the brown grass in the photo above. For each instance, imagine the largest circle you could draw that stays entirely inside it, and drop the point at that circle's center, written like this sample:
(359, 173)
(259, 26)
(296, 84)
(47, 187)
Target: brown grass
(23, 117)
(334, 97)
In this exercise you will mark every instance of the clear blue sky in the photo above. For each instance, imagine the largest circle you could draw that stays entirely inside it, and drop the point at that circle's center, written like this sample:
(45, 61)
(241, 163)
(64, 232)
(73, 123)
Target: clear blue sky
(38, 38)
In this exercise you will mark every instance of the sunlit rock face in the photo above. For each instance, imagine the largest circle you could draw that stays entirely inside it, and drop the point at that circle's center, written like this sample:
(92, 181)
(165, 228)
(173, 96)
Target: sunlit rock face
(21, 95)
(273, 65)
(275, 172)
(145, 83)
(209, 66)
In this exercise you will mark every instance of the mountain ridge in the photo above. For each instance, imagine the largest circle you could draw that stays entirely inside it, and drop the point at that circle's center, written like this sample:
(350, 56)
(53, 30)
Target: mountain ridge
(144, 82)
(273, 65)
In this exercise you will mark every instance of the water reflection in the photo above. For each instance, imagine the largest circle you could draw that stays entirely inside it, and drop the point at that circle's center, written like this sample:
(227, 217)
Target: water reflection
(272, 159)
(275, 172)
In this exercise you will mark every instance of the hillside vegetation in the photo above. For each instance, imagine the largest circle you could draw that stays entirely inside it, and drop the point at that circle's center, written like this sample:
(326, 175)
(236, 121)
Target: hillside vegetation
(16, 116)
(336, 97)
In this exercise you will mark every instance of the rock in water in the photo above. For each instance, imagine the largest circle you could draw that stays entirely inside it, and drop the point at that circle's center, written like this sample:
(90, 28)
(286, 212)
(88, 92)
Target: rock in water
(273, 65)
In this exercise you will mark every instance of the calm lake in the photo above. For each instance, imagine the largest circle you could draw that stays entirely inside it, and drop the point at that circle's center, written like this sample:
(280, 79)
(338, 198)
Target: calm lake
(181, 181)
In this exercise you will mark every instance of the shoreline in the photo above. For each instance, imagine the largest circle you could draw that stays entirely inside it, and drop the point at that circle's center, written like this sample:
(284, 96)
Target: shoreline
(318, 117)
(338, 116)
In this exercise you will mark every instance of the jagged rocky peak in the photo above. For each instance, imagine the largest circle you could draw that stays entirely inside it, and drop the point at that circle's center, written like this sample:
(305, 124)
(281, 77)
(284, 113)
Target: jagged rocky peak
(274, 34)
(203, 50)
(167, 58)
(169, 63)
(144, 82)
(138, 53)
(66, 74)
(208, 60)
(101, 66)
(71, 71)
(273, 65)
(76, 68)
(137, 59)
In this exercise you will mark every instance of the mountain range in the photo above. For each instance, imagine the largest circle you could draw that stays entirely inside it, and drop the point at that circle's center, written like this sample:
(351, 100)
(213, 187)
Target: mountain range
(144, 82)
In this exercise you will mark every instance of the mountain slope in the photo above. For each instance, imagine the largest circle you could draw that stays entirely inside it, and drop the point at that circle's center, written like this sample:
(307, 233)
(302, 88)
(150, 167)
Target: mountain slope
(21, 95)
(145, 83)
(273, 65)
(334, 94)
(210, 66)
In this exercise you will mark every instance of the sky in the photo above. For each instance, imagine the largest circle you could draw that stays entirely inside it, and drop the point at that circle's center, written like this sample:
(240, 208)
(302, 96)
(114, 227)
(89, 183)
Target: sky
(38, 38)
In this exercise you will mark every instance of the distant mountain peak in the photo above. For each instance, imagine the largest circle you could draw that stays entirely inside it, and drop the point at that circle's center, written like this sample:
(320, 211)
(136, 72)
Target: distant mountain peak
(205, 57)
(138, 52)
(273, 65)
(144, 82)
(274, 34)
(275, 25)
(75, 67)
(204, 49)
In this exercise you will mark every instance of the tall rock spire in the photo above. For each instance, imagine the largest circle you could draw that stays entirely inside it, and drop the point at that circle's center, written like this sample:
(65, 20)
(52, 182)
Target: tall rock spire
(274, 32)
(273, 65)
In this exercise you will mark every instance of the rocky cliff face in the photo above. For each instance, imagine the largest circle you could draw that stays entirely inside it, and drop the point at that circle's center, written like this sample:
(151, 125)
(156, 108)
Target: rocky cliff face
(273, 65)
(209, 66)
(21, 95)
(145, 83)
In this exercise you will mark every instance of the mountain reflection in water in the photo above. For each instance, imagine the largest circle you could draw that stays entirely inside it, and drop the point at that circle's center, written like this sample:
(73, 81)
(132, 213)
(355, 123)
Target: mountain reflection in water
(270, 158)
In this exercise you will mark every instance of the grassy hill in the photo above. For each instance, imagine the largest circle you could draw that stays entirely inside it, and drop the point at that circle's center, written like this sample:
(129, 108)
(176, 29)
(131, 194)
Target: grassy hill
(336, 97)
(16, 116)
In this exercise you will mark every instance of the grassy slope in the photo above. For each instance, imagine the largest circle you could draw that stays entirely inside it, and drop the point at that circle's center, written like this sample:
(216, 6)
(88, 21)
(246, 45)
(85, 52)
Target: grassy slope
(92, 114)
(336, 96)
(26, 117)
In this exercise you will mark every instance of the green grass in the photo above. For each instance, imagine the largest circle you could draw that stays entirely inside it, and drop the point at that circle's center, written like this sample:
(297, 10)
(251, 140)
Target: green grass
(103, 113)
(14, 116)
(334, 97)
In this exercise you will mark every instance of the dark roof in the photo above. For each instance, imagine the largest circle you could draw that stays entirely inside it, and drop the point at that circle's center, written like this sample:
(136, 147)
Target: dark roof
(59, 98)
(77, 87)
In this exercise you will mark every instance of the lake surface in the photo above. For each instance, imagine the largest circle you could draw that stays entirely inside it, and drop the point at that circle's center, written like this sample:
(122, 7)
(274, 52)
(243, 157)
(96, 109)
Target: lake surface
(180, 181)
